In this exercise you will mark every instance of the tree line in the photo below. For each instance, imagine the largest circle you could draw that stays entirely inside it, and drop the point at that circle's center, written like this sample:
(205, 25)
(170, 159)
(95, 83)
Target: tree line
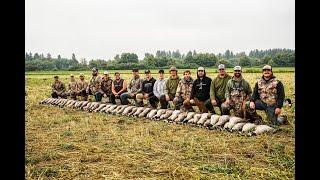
(163, 59)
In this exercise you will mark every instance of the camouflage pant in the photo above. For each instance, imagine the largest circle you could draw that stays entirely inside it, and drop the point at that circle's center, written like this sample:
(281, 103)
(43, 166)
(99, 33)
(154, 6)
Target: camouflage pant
(57, 95)
(181, 102)
(235, 106)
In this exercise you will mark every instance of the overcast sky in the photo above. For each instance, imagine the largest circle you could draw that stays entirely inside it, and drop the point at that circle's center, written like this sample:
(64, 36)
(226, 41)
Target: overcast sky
(95, 29)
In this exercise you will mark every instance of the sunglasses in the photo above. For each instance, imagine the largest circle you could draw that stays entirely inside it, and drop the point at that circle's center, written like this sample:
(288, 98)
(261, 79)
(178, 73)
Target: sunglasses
(221, 69)
(266, 70)
(236, 70)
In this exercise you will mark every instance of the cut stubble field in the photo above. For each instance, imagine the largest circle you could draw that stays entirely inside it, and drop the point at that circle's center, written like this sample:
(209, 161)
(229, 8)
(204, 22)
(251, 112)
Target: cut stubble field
(65, 143)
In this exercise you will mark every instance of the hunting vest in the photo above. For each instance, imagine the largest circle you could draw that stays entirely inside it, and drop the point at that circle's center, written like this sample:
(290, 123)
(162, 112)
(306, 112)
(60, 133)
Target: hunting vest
(95, 83)
(268, 91)
(237, 94)
(135, 84)
(58, 86)
(82, 85)
(118, 85)
(106, 86)
(184, 88)
(73, 86)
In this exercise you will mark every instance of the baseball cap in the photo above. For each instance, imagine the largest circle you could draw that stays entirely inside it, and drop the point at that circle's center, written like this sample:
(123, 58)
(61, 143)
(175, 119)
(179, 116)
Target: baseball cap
(147, 71)
(221, 66)
(71, 75)
(173, 68)
(105, 72)
(200, 68)
(267, 67)
(237, 68)
(56, 77)
(94, 69)
(81, 74)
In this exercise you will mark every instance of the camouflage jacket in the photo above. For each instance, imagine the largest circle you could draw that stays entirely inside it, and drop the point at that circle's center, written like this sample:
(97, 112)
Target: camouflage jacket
(171, 85)
(237, 90)
(58, 87)
(135, 85)
(82, 85)
(72, 86)
(184, 88)
(94, 84)
(106, 86)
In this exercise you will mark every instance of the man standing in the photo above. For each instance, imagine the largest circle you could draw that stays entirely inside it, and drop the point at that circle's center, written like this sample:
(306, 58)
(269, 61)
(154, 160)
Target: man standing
(119, 86)
(94, 85)
(147, 89)
(170, 88)
(58, 88)
(268, 95)
(218, 89)
(200, 92)
(134, 88)
(158, 89)
(184, 88)
(82, 86)
(238, 91)
(106, 85)
(72, 88)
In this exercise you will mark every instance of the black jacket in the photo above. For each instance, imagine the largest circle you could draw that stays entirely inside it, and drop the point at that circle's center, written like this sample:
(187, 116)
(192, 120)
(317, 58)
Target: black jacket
(201, 88)
(147, 86)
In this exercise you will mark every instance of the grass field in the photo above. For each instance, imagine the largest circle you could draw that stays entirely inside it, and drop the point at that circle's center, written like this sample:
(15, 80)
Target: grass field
(68, 144)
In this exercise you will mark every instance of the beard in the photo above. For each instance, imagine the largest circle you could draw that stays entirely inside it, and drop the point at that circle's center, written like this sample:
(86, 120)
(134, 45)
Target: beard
(237, 75)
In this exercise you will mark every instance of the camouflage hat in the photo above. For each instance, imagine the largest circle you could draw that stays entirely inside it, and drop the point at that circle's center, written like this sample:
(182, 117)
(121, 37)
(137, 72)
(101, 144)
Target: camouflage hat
(200, 68)
(105, 72)
(267, 67)
(94, 69)
(71, 75)
(237, 68)
(221, 66)
(81, 74)
(147, 71)
(173, 68)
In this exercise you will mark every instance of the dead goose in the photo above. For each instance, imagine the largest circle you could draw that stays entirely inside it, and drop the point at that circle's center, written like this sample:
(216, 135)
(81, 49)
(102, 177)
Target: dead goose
(139, 110)
(122, 109)
(222, 120)
(127, 110)
(238, 126)
(181, 117)
(189, 116)
(134, 109)
(262, 129)
(105, 108)
(111, 108)
(248, 127)
(100, 107)
(233, 120)
(159, 113)
(167, 114)
(174, 115)
(213, 120)
(195, 118)
(203, 118)
(116, 109)
(144, 112)
(152, 113)
(84, 104)
(72, 103)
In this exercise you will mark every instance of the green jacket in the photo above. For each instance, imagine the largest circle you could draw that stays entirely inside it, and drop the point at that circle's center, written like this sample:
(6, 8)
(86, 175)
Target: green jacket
(218, 87)
(233, 84)
(171, 86)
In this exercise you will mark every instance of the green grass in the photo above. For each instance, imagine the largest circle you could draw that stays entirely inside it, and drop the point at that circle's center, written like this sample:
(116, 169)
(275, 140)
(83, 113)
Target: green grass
(65, 143)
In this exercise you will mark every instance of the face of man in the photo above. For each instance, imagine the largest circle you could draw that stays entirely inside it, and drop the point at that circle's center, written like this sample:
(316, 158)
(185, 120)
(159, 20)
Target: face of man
(94, 73)
(72, 78)
(186, 75)
(135, 74)
(56, 79)
(237, 73)
(161, 75)
(81, 77)
(173, 73)
(117, 76)
(148, 75)
(106, 76)
(267, 73)
(222, 72)
(200, 73)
